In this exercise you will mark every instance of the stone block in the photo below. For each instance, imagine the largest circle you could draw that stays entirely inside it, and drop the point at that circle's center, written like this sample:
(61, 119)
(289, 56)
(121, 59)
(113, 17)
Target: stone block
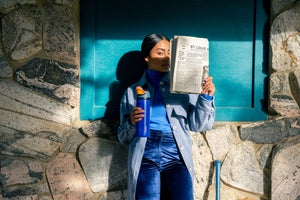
(59, 33)
(240, 169)
(103, 128)
(104, 163)
(8, 5)
(285, 169)
(114, 195)
(43, 188)
(284, 105)
(19, 192)
(271, 131)
(23, 110)
(264, 156)
(55, 79)
(279, 5)
(221, 139)
(66, 179)
(203, 164)
(24, 103)
(279, 83)
(229, 193)
(45, 197)
(295, 84)
(65, 2)
(282, 101)
(26, 41)
(285, 26)
(18, 143)
(16, 171)
(5, 69)
(72, 142)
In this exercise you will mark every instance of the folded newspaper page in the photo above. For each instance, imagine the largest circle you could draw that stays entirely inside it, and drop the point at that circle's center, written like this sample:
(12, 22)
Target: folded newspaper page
(189, 62)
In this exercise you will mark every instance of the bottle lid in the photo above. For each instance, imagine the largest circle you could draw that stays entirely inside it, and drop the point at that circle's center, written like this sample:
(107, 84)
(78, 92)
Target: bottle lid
(141, 93)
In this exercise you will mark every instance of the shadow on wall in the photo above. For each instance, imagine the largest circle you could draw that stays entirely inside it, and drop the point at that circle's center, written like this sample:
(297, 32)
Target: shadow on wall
(130, 69)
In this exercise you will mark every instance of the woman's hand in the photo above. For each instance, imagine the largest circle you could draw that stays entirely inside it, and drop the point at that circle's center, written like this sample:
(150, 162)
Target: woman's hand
(136, 115)
(209, 87)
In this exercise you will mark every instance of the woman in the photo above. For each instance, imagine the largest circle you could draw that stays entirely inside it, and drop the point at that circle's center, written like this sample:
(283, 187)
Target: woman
(161, 166)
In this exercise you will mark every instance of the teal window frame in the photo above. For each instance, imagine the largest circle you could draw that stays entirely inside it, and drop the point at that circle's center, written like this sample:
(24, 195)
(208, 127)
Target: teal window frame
(256, 112)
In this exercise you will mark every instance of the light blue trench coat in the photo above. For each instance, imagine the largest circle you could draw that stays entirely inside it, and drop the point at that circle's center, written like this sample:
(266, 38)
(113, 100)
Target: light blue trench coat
(185, 112)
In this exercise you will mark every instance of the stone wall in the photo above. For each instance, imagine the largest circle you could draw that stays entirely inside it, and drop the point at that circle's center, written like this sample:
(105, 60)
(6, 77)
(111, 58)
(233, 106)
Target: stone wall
(47, 153)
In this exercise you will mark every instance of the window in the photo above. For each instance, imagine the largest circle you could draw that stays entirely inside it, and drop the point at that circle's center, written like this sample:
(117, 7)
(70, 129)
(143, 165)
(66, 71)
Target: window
(112, 32)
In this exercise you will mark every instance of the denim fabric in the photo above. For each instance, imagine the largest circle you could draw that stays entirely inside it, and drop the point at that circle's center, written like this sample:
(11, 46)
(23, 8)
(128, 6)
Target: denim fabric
(163, 174)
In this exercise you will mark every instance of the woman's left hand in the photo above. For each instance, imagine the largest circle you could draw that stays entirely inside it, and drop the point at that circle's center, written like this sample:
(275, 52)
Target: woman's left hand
(209, 87)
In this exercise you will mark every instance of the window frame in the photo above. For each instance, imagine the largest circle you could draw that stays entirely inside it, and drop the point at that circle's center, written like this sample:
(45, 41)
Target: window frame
(256, 112)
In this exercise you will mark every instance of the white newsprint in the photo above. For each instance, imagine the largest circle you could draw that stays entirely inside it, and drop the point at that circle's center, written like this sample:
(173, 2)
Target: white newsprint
(189, 62)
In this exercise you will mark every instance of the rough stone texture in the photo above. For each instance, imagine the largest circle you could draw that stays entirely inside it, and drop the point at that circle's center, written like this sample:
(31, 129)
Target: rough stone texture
(19, 143)
(282, 102)
(110, 157)
(115, 195)
(286, 170)
(68, 93)
(25, 23)
(53, 78)
(66, 2)
(286, 25)
(224, 136)
(5, 69)
(45, 197)
(23, 110)
(278, 5)
(229, 193)
(279, 83)
(240, 169)
(203, 164)
(295, 83)
(19, 193)
(264, 156)
(292, 46)
(102, 128)
(72, 142)
(272, 131)
(284, 105)
(8, 5)
(43, 188)
(17, 171)
(66, 179)
(59, 33)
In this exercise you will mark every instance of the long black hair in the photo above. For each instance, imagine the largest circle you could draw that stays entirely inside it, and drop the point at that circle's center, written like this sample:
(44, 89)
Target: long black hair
(150, 41)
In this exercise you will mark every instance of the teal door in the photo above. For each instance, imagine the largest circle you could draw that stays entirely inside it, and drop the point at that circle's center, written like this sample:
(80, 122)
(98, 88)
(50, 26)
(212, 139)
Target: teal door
(112, 32)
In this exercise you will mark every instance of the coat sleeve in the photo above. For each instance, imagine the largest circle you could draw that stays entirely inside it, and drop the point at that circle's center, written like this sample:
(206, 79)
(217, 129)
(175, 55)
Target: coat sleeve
(202, 115)
(126, 131)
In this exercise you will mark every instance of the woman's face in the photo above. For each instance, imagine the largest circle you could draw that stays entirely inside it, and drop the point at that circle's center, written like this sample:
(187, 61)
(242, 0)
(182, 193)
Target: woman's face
(159, 57)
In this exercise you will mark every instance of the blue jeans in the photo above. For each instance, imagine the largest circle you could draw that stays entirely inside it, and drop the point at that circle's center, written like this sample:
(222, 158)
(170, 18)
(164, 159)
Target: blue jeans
(163, 175)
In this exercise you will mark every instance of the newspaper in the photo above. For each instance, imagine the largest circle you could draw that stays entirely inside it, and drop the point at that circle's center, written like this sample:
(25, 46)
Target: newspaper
(189, 62)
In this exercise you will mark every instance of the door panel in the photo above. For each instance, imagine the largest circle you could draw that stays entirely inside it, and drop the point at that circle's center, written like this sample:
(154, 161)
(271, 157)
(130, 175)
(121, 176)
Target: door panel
(118, 30)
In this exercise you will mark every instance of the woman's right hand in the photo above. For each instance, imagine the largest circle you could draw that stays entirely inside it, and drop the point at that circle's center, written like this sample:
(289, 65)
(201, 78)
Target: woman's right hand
(136, 115)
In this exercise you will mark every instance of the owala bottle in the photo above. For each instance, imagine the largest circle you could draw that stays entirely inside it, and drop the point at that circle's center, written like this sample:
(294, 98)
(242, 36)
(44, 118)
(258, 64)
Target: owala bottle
(143, 101)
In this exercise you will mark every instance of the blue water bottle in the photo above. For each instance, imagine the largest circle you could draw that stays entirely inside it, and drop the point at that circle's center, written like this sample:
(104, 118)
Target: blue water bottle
(143, 101)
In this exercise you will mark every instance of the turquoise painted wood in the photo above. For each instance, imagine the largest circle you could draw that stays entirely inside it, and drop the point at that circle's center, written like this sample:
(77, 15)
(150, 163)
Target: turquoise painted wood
(111, 37)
